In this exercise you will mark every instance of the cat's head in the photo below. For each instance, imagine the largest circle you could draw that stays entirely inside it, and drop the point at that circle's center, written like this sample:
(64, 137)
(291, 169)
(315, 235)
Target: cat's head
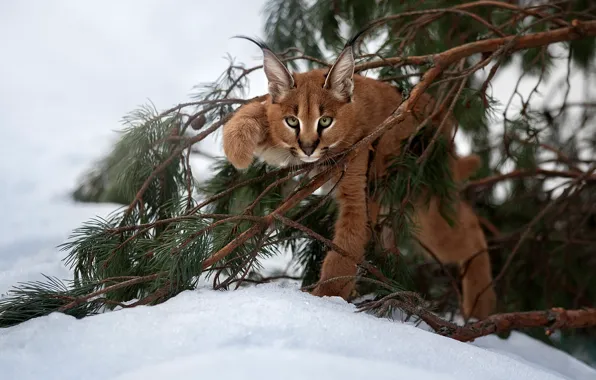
(310, 113)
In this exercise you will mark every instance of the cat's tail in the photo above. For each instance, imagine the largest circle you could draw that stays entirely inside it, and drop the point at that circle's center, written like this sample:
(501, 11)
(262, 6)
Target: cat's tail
(466, 166)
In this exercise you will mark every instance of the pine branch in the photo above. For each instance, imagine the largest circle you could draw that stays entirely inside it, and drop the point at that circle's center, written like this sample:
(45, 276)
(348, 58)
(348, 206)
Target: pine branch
(365, 265)
(577, 31)
(460, 9)
(268, 220)
(554, 319)
(36, 299)
(537, 172)
(133, 281)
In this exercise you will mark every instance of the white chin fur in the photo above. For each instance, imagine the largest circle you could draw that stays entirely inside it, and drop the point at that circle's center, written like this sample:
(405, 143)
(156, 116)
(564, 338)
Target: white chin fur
(279, 157)
(309, 159)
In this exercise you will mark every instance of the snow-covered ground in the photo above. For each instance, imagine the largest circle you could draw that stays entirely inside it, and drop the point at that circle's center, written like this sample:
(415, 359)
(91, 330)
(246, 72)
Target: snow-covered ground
(75, 69)
(267, 332)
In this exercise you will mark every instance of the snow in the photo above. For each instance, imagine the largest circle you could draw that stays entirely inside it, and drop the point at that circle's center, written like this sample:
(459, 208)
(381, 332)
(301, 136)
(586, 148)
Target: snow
(268, 332)
(523, 348)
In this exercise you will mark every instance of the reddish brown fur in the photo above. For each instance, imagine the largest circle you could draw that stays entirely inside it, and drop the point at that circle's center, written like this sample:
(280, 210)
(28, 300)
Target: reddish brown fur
(258, 129)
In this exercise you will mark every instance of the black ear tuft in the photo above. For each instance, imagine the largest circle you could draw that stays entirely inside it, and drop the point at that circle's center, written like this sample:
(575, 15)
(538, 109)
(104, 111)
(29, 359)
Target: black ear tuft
(256, 41)
(358, 34)
(279, 77)
(340, 77)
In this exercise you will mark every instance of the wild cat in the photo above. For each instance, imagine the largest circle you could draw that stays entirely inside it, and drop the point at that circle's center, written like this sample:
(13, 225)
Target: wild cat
(308, 116)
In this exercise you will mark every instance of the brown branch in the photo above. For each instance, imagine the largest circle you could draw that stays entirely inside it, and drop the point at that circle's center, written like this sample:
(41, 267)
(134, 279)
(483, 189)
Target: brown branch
(520, 173)
(578, 31)
(364, 264)
(235, 218)
(147, 226)
(513, 7)
(273, 185)
(174, 155)
(431, 15)
(201, 103)
(489, 226)
(553, 319)
(317, 182)
(438, 12)
(296, 168)
(562, 157)
(423, 157)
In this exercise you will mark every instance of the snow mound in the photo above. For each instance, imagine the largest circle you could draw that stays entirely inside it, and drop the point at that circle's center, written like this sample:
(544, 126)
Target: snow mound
(263, 332)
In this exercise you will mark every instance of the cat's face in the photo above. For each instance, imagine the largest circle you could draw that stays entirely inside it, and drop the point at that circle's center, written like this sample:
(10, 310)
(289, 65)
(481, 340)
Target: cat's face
(309, 121)
(309, 113)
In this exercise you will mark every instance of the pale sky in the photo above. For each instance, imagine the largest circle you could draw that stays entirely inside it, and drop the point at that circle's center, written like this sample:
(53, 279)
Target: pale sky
(69, 71)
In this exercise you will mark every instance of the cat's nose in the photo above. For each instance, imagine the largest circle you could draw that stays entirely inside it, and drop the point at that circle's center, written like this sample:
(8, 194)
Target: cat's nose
(308, 149)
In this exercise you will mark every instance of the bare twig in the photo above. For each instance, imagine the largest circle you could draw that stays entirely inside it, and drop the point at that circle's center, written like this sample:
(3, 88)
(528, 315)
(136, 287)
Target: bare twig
(492, 180)
(120, 285)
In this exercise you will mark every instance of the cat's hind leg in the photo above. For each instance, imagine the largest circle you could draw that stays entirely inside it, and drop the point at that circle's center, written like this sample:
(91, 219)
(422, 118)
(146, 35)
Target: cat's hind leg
(464, 244)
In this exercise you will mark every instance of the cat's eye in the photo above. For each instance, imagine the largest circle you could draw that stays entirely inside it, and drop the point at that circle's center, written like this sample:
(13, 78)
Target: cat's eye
(325, 121)
(292, 121)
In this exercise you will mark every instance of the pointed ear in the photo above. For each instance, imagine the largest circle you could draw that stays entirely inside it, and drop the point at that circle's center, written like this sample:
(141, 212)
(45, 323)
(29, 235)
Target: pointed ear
(279, 78)
(340, 79)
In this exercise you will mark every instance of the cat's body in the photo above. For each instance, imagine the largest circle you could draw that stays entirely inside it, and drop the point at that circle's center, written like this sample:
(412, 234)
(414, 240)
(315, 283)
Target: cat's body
(310, 115)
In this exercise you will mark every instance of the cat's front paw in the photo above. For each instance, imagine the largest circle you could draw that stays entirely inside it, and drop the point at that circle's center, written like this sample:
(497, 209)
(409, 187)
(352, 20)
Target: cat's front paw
(337, 278)
(242, 134)
(344, 289)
